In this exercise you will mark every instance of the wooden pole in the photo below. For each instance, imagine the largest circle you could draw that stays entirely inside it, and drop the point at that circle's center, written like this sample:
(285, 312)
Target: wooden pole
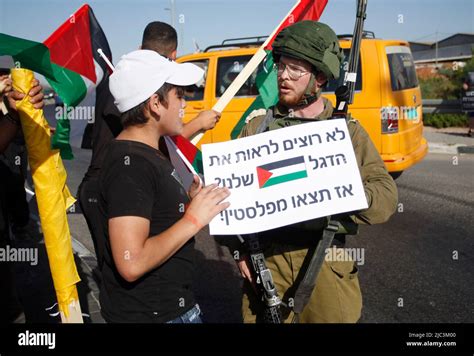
(244, 74)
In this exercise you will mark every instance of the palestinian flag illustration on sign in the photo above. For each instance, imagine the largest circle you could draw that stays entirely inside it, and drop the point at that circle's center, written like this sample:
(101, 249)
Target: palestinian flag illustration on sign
(281, 171)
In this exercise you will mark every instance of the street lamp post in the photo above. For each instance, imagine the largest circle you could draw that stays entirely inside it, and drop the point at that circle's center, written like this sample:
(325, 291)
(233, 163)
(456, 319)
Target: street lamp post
(172, 12)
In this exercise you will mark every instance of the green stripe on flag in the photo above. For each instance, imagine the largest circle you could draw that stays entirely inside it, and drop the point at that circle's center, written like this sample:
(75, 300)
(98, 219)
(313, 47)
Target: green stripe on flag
(67, 84)
(71, 88)
(35, 56)
(268, 89)
(30, 55)
(197, 162)
(285, 178)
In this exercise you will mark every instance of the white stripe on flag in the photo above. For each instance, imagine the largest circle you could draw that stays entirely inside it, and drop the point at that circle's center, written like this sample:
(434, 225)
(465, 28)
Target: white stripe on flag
(288, 169)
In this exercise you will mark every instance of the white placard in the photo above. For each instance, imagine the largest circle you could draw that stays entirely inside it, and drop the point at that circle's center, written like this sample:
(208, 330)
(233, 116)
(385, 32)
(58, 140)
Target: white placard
(285, 176)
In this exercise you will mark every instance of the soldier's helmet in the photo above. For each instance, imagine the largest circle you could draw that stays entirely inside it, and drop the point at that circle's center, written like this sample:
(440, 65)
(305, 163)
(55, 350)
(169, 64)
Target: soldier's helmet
(312, 41)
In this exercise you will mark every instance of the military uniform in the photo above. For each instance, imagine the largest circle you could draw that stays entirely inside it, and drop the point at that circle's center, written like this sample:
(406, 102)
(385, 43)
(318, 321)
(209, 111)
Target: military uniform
(337, 296)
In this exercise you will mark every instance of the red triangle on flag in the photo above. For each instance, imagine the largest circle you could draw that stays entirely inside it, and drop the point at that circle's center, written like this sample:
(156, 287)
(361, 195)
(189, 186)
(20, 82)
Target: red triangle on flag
(263, 176)
(70, 45)
(305, 10)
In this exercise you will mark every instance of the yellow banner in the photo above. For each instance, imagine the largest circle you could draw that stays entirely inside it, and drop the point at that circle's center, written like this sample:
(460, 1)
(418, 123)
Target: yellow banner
(52, 194)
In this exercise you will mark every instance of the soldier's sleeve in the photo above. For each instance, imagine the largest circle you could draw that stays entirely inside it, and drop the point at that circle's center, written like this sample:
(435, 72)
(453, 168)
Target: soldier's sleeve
(253, 122)
(379, 186)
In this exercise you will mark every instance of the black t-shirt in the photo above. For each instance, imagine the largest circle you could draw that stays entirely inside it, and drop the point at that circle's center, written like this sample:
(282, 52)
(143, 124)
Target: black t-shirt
(137, 180)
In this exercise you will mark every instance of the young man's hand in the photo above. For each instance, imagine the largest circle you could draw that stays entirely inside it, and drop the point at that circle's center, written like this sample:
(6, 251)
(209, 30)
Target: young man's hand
(195, 187)
(206, 204)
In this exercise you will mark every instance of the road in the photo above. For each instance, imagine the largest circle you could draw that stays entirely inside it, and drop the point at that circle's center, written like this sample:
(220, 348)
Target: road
(418, 267)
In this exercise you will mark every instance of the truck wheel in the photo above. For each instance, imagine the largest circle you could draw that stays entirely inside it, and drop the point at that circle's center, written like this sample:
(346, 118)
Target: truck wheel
(395, 175)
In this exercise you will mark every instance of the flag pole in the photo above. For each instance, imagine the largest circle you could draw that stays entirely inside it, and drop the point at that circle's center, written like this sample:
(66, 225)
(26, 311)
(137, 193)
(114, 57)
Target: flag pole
(258, 57)
(106, 60)
(183, 157)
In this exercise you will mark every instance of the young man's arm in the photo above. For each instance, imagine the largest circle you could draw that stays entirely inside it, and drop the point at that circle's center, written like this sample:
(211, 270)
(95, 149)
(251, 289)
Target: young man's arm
(205, 120)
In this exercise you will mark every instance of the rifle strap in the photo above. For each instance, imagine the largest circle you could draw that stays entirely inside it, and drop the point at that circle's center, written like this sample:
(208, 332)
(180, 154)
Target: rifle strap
(313, 263)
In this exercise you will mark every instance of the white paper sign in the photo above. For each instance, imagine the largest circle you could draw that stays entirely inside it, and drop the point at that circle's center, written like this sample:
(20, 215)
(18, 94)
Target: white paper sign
(284, 176)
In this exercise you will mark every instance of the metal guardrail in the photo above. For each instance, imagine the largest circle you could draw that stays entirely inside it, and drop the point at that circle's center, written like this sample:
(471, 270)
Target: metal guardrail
(442, 106)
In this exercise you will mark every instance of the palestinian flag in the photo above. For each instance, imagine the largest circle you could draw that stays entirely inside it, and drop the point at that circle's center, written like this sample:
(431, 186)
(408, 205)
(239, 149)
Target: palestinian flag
(191, 152)
(69, 61)
(266, 82)
(282, 171)
(267, 79)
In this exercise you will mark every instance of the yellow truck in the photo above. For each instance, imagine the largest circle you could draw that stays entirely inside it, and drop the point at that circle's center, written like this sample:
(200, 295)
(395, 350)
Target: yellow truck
(387, 99)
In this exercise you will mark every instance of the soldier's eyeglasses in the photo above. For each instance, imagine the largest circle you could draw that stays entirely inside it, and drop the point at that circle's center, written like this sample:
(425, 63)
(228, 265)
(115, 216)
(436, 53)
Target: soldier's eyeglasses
(293, 72)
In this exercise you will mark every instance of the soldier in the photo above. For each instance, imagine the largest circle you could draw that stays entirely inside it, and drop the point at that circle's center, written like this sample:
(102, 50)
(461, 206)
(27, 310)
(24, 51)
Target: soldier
(307, 55)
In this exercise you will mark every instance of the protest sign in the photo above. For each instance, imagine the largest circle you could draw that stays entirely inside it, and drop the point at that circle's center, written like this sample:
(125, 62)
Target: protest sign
(284, 176)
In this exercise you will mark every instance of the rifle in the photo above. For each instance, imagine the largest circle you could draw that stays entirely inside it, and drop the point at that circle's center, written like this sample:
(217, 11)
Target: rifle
(264, 281)
(345, 93)
(336, 225)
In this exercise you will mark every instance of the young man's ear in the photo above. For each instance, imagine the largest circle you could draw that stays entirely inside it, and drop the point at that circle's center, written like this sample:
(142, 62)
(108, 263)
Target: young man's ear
(174, 54)
(154, 106)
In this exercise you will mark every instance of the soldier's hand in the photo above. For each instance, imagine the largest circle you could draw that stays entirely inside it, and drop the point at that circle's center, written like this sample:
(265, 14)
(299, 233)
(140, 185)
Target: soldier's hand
(244, 267)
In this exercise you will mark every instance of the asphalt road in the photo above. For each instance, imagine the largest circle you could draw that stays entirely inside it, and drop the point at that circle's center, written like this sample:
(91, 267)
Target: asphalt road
(418, 267)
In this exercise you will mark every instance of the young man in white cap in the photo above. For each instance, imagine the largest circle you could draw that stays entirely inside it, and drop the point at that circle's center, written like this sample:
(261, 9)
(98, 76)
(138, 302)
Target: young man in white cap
(161, 38)
(148, 258)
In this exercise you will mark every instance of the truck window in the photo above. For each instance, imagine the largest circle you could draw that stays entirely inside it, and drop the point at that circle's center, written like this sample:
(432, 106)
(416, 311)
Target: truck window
(196, 91)
(333, 84)
(228, 68)
(402, 68)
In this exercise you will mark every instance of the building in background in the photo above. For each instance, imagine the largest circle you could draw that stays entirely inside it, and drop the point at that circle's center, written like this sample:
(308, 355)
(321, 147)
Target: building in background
(450, 52)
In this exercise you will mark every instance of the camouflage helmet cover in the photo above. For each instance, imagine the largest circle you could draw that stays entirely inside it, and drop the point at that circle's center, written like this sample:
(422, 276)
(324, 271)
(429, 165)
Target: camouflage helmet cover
(312, 41)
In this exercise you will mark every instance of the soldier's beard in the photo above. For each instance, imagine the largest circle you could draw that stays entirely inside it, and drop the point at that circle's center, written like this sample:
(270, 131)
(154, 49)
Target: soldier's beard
(289, 99)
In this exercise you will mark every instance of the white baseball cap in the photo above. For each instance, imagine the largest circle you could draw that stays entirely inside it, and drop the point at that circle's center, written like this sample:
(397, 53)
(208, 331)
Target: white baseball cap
(139, 74)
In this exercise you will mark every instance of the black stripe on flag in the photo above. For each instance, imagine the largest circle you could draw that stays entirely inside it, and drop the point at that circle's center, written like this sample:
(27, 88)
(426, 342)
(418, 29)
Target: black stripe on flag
(283, 163)
(98, 40)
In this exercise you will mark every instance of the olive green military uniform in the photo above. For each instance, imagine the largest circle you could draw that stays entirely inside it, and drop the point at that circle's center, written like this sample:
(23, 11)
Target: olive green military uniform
(337, 297)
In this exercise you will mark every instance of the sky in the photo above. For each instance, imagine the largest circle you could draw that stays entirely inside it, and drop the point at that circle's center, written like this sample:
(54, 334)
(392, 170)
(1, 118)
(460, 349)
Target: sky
(208, 22)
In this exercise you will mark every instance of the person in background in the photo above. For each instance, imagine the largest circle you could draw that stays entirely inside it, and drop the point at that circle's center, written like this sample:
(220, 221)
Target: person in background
(14, 211)
(468, 86)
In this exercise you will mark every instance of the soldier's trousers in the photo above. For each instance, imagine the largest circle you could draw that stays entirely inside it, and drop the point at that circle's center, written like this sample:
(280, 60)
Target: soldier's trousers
(336, 298)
